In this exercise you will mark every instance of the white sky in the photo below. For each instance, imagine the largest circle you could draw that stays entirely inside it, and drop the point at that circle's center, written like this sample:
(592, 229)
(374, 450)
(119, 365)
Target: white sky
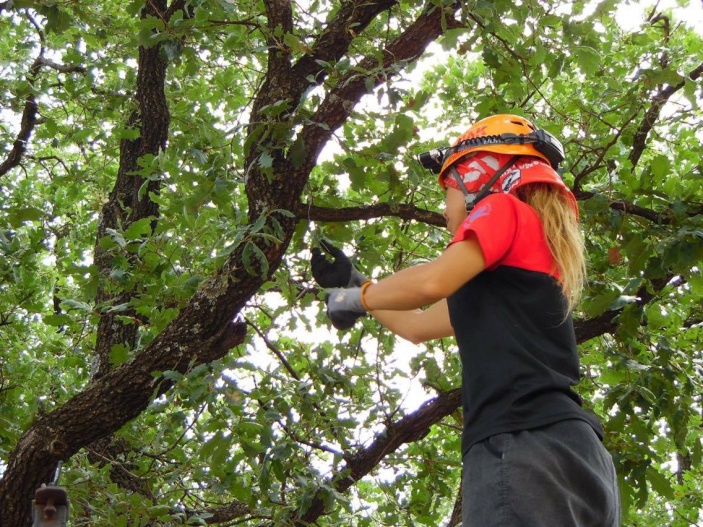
(630, 15)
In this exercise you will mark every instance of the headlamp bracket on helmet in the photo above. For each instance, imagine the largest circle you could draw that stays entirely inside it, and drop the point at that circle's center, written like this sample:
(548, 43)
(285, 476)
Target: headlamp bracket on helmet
(544, 142)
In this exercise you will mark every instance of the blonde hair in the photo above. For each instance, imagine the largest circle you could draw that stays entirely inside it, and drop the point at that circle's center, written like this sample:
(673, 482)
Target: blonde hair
(561, 229)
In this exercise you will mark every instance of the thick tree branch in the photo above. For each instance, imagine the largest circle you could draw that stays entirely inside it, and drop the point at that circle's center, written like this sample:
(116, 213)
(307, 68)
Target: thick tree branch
(96, 412)
(404, 211)
(595, 327)
(103, 408)
(225, 514)
(61, 68)
(280, 18)
(455, 518)
(341, 100)
(410, 428)
(408, 211)
(607, 322)
(651, 116)
(331, 45)
(285, 83)
(19, 147)
(628, 208)
(29, 113)
(661, 218)
(130, 199)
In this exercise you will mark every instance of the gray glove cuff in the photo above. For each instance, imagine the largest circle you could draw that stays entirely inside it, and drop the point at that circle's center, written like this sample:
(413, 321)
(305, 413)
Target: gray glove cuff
(356, 278)
(348, 300)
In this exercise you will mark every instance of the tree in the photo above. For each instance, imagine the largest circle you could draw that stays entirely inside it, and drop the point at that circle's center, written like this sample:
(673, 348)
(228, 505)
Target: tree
(166, 167)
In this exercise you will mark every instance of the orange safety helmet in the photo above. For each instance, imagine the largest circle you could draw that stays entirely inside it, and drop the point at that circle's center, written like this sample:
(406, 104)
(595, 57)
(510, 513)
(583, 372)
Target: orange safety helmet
(485, 136)
(508, 137)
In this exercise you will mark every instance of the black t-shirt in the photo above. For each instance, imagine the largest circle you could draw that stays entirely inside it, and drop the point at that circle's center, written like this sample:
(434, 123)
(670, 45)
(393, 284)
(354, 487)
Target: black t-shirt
(518, 350)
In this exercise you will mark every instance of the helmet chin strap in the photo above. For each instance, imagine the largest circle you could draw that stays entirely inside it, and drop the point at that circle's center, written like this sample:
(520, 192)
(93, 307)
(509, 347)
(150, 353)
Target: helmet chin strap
(470, 202)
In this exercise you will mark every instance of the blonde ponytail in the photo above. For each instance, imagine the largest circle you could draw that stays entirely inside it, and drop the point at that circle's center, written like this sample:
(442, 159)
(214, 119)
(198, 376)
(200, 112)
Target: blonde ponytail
(564, 238)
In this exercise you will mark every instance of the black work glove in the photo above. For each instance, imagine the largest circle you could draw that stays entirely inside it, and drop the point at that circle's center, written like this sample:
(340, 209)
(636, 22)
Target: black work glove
(344, 306)
(338, 273)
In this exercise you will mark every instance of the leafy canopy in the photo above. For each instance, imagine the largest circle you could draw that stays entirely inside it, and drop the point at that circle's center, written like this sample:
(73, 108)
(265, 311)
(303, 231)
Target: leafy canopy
(165, 168)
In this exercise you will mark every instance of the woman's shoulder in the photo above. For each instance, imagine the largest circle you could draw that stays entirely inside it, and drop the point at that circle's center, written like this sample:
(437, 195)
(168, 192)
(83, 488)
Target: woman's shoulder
(502, 202)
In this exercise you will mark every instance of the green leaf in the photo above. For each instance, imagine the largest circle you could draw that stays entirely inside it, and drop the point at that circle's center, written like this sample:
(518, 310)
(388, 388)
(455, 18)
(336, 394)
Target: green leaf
(56, 320)
(295, 44)
(265, 160)
(401, 134)
(17, 217)
(600, 303)
(117, 237)
(661, 166)
(70, 304)
(254, 260)
(613, 377)
(550, 20)
(172, 375)
(134, 7)
(138, 229)
(171, 50)
(57, 19)
(298, 153)
(491, 58)
(588, 59)
(451, 38)
(696, 453)
(119, 354)
(119, 308)
(659, 483)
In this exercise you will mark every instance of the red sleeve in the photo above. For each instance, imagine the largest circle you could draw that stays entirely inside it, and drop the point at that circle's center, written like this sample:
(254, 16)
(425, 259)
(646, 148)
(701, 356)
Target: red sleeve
(509, 233)
(494, 221)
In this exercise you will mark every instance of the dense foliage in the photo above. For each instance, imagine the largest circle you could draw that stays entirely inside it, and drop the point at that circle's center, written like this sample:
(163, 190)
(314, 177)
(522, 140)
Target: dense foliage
(165, 166)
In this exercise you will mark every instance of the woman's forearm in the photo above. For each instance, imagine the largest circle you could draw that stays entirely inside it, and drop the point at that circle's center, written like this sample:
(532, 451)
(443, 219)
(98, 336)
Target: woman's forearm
(425, 284)
(418, 325)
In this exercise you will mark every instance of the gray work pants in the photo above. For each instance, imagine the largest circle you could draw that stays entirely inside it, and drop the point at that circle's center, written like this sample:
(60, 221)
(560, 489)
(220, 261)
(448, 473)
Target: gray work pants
(560, 475)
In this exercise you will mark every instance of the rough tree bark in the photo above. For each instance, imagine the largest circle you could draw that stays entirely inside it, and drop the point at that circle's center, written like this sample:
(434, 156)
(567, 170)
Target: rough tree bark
(128, 201)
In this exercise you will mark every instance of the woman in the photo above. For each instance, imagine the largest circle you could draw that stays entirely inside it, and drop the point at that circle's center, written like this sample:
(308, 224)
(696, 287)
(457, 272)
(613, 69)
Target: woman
(505, 288)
